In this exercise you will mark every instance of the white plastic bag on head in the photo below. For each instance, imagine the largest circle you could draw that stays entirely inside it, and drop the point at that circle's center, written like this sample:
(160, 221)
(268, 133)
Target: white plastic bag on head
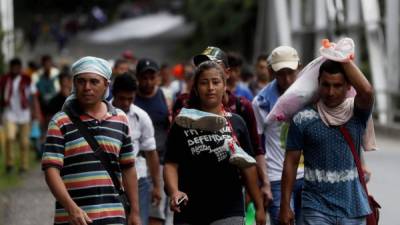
(299, 94)
(343, 51)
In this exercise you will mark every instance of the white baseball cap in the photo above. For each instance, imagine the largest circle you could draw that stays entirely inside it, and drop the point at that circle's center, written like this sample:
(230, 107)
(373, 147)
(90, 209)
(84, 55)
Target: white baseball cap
(284, 57)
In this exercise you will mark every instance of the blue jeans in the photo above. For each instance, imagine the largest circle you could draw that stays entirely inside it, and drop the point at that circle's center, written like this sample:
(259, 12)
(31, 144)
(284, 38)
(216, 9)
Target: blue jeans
(144, 185)
(313, 217)
(295, 201)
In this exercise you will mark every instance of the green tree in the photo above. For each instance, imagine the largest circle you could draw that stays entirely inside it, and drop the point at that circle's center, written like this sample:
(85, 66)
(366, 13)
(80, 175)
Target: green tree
(229, 24)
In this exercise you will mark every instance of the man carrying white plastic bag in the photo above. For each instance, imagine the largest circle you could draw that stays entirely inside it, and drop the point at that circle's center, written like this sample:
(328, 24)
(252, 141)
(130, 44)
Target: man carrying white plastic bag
(332, 192)
(305, 90)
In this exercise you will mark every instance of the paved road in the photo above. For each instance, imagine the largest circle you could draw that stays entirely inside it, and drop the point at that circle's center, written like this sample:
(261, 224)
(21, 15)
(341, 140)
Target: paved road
(385, 180)
(32, 204)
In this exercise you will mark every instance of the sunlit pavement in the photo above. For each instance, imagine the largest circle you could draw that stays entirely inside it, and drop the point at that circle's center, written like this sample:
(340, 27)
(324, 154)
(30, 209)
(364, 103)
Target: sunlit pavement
(385, 180)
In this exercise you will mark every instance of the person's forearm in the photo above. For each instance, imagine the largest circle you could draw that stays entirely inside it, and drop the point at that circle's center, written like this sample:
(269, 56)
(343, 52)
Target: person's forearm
(57, 187)
(171, 178)
(153, 163)
(359, 82)
(131, 188)
(250, 178)
(356, 77)
(262, 170)
(289, 176)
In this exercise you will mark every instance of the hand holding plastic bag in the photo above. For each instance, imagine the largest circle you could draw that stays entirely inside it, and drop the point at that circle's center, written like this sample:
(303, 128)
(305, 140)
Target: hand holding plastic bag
(343, 51)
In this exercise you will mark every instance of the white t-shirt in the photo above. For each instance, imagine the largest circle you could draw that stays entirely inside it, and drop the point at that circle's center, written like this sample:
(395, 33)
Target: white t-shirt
(177, 87)
(274, 133)
(142, 135)
(14, 111)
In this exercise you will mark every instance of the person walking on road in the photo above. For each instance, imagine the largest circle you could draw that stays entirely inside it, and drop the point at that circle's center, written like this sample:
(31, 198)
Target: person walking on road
(152, 100)
(284, 67)
(203, 186)
(77, 174)
(19, 104)
(234, 104)
(144, 143)
(332, 192)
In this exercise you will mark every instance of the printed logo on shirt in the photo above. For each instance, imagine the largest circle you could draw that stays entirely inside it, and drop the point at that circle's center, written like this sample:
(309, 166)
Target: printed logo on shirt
(200, 142)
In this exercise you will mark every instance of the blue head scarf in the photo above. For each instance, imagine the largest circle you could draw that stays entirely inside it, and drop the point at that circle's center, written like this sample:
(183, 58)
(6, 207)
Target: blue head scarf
(90, 64)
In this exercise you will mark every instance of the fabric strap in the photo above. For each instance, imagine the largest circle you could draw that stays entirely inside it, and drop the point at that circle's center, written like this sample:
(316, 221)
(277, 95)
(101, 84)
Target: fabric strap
(357, 160)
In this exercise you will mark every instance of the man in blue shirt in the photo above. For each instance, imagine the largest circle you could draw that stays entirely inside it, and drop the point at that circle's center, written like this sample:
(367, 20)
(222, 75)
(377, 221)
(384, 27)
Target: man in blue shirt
(284, 66)
(332, 192)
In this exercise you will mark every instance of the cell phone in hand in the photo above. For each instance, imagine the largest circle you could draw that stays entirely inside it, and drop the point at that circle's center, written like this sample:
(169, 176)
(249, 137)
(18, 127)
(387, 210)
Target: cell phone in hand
(181, 200)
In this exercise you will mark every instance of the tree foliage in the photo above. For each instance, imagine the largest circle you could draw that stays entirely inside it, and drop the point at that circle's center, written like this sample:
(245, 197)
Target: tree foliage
(229, 24)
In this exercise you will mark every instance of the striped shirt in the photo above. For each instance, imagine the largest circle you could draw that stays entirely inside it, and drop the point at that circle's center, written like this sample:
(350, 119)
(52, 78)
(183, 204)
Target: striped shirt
(85, 178)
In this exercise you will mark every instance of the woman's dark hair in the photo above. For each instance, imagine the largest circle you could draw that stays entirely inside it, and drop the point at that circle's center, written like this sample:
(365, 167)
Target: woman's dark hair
(124, 82)
(332, 67)
(194, 99)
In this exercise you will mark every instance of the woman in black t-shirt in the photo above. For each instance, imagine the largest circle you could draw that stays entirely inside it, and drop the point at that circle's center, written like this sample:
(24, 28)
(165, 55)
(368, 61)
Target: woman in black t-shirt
(197, 167)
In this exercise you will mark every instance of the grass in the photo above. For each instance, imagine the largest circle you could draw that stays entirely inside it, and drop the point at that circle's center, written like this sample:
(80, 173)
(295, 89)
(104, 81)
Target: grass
(13, 179)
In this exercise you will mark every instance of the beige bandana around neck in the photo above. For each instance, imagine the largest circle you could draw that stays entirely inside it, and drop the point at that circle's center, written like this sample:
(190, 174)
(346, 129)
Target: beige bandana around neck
(342, 113)
(338, 115)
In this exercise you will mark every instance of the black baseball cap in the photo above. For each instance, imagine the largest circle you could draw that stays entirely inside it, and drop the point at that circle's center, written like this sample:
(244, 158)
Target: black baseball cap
(144, 65)
(213, 54)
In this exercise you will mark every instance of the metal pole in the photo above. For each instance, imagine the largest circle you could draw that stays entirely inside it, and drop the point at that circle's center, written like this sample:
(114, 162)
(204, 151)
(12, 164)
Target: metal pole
(392, 44)
(296, 21)
(375, 45)
(353, 23)
(282, 22)
(321, 23)
(272, 26)
(7, 27)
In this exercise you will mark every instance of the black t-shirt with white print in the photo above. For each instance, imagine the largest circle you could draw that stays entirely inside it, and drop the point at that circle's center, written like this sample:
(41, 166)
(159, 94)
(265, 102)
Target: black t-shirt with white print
(212, 184)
